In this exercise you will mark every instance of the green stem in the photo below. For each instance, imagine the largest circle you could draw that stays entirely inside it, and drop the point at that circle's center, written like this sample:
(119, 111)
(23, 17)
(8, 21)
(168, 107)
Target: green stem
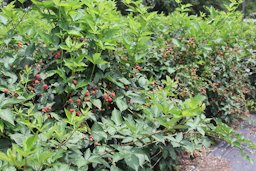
(93, 69)
(66, 140)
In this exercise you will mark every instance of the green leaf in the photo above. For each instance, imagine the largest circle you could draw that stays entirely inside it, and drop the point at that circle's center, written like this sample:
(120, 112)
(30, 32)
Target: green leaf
(110, 78)
(87, 154)
(121, 104)
(116, 117)
(117, 157)
(1, 126)
(179, 137)
(96, 56)
(68, 42)
(98, 132)
(3, 20)
(143, 82)
(45, 155)
(114, 168)
(9, 102)
(30, 49)
(18, 138)
(5, 143)
(12, 77)
(97, 103)
(141, 156)
(75, 138)
(4, 157)
(201, 130)
(7, 115)
(74, 32)
(61, 73)
(176, 42)
(30, 142)
(124, 81)
(132, 161)
(171, 70)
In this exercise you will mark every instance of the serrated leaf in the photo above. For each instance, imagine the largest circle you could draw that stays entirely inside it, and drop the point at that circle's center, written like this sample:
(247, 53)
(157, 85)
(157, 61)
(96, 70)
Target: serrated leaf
(132, 161)
(176, 42)
(179, 137)
(30, 49)
(3, 157)
(121, 104)
(114, 168)
(7, 115)
(98, 132)
(116, 117)
(97, 103)
(18, 138)
(96, 56)
(3, 19)
(143, 82)
(9, 102)
(124, 81)
(74, 32)
(30, 142)
(68, 42)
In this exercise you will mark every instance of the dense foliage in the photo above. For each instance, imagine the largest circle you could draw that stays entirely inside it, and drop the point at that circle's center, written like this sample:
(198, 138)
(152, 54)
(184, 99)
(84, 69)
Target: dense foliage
(198, 6)
(86, 88)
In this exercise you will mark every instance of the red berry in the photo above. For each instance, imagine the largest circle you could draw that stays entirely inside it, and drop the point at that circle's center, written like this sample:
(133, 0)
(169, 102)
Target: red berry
(59, 53)
(37, 81)
(70, 101)
(56, 56)
(93, 92)
(78, 113)
(87, 93)
(113, 94)
(38, 76)
(110, 99)
(45, 86)
(19, 44)
(46, 109)
(75, 82)
(71, 110)
(5, 90)
(91, 138)
(137, 67)
(78, 100)
(105, 96)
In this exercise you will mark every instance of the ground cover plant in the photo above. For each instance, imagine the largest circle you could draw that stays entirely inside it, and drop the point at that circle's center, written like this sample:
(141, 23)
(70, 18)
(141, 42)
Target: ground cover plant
(87, 88)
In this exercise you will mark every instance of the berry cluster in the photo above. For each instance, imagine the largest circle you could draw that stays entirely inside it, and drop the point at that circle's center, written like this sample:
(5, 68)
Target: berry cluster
(56, 55)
